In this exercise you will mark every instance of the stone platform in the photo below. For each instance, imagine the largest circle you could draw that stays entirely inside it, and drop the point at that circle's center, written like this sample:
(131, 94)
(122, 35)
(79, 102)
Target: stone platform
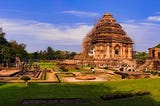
(8, 73)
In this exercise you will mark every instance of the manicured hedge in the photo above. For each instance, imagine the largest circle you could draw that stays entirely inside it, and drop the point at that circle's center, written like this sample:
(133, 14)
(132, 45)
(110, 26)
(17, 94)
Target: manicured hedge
(123, 95)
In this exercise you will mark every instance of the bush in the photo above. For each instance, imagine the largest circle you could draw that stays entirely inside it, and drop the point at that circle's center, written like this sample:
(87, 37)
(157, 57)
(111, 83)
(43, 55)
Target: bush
(123, 95)
(92, 68)
(63, 69)
(121, 69)
(77, 68)
(123, 76)
(154, 73)
(25, 78)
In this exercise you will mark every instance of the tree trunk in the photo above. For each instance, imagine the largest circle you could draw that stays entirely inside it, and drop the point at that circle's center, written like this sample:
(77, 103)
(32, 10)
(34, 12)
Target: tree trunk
(26, 83)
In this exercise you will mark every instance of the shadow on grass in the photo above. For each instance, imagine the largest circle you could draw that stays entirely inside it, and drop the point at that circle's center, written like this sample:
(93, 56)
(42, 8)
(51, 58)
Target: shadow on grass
(13, 94)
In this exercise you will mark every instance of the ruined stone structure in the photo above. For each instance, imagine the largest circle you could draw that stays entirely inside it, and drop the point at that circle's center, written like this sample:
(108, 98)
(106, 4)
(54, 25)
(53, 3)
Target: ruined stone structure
(107, 45)
(154, 56)
(153, 61)
(154, 53)
(107, 40)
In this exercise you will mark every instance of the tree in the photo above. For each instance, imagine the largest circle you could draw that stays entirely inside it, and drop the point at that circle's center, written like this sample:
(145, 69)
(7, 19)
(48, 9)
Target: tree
(50, 53)
(26, 79)
(72, 54)
(140, 55)
(3, 40)
(6, 54)
(19, 50)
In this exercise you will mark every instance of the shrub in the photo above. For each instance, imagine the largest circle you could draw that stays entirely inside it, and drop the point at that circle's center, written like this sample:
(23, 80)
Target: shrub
(63, 69)
(121, 69)
(123, 95)
(155, 72)
(77, 68)
(92, 68)
(25, 78)
(123, 76)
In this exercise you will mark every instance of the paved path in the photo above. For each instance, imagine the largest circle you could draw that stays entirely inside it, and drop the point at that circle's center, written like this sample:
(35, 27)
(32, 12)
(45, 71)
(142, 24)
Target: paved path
(72, 79)
(8, 72)
(51, 76)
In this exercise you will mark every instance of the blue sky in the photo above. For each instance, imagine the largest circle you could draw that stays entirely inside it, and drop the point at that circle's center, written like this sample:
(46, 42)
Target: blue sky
(62, 24)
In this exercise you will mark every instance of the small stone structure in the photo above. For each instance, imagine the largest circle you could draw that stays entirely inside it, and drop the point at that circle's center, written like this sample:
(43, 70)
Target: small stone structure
(154, 53)
(152, 62)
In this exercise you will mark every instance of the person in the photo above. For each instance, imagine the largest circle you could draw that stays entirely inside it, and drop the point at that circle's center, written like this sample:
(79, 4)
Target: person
(92, 69)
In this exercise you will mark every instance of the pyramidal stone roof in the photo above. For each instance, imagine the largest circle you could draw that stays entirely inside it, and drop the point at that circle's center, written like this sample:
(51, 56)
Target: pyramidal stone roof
(107, 30)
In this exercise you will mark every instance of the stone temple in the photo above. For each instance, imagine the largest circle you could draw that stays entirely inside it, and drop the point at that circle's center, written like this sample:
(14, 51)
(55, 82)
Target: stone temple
(107, 40)
(107, 45)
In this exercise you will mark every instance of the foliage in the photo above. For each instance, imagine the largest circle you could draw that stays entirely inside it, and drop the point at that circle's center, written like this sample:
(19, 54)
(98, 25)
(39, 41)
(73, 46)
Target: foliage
(63, 69)
(140, 55)
(51, 54)
(10, 50)
(3, 40)
(25, 78)
(120, 95)
(47, 65)
(69, 74)
(121, 69)
(157, 46)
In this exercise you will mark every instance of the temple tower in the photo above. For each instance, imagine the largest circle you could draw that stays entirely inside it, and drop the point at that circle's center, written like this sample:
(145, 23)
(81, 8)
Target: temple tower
(107, 40)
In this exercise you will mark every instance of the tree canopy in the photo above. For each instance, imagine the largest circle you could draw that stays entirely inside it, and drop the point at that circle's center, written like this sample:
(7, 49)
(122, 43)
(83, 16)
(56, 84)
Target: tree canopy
(157, 46)
(140, 55)
(10, 50)
(51, 54)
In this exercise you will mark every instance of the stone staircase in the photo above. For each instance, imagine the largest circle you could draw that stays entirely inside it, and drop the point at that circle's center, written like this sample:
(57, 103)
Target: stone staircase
(144, 66)
(129, 62)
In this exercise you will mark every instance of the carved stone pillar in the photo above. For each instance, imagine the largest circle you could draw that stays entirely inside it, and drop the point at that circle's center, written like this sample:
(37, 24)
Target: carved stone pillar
(129, 53)
(108, 54)
(124, 54)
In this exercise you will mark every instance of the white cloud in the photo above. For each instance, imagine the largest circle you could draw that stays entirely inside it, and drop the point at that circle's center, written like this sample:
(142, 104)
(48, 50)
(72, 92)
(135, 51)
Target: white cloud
(39, 35)
(145, 35)
(81, 13)
(154, 18)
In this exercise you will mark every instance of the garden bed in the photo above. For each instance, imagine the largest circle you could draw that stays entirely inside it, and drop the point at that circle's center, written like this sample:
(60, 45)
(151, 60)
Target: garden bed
(51, 101)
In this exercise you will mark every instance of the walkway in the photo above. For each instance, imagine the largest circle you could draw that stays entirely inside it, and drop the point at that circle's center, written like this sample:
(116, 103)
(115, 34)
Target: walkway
(7, 73)
(51, 76)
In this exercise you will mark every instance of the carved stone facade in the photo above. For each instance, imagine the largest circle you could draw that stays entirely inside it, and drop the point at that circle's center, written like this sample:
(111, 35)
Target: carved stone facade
(107, 40)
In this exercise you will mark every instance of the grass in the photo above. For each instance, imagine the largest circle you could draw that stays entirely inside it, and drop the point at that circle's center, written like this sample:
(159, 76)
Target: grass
(48, 65)
(11, 94)
(66, 75)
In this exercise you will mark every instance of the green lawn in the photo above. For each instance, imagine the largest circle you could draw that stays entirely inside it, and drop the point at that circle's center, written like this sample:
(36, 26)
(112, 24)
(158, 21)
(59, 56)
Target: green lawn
(50, 65)
(11, 94)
